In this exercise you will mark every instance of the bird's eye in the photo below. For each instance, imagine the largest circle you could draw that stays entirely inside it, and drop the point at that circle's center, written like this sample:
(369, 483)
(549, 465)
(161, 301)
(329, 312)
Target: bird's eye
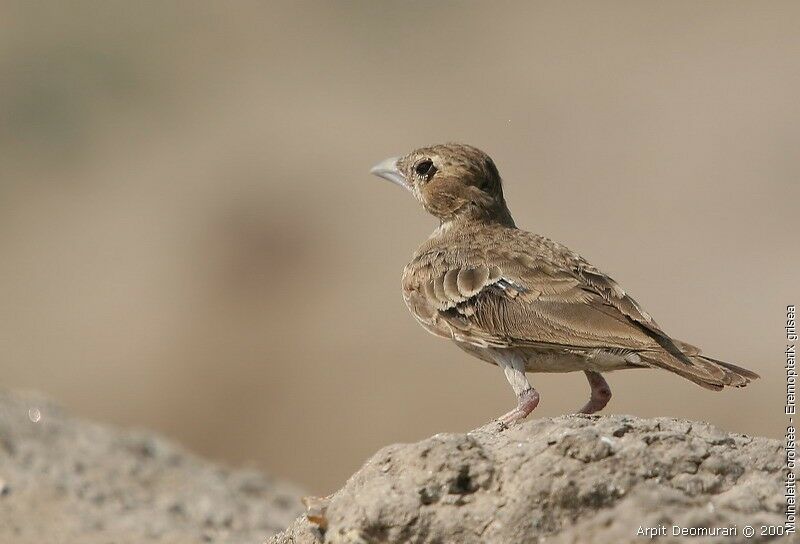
(425, 169)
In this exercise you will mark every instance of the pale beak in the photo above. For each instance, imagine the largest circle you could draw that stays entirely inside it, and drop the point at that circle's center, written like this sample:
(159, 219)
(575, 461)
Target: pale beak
(388, 170)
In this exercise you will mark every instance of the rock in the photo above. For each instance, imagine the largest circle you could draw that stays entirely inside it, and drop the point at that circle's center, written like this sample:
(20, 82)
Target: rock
(67, 480)
(570, 479)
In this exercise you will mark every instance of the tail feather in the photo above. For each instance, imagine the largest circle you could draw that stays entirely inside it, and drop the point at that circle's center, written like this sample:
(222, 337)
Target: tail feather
(742, 372)
(704, 371)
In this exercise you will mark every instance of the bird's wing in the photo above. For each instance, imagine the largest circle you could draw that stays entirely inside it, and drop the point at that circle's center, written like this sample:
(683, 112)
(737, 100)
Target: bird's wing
(528, 290)
(613, 296)
(516, 301)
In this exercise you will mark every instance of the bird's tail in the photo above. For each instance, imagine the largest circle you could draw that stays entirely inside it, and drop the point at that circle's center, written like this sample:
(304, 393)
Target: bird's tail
(704, 371)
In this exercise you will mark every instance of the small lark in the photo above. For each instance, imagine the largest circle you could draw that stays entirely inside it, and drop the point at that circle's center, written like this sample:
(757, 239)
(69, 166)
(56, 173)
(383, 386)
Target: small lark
(519, 300)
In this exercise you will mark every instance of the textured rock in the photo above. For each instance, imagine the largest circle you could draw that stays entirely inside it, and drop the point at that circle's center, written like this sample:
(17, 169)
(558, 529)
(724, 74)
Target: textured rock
(576, 479)
(67, 480)
(572, 479)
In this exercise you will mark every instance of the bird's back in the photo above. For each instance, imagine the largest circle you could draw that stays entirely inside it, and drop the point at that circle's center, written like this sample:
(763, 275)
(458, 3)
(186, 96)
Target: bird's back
(496, 286)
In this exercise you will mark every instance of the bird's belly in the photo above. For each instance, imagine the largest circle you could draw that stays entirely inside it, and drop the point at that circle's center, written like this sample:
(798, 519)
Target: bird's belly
(558, 360)
(565, 361)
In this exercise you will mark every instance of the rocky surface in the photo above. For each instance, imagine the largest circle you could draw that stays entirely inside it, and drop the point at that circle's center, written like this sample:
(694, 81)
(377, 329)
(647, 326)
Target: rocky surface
(571, 479)
(65, 480)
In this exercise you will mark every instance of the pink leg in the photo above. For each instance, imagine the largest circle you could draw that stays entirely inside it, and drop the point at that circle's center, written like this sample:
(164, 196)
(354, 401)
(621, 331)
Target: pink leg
(526, 401)
(600, 395)
(513, 367)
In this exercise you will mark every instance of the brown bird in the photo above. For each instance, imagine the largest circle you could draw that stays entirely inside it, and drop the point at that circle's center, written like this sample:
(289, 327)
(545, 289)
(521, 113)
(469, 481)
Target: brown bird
(519, 300)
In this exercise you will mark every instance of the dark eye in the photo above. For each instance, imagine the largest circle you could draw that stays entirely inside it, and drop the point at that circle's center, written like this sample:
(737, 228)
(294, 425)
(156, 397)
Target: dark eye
(425, 169)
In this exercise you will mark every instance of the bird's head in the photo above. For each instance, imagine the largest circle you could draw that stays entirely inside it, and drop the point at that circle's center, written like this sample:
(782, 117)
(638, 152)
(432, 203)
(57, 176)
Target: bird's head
(451, 181)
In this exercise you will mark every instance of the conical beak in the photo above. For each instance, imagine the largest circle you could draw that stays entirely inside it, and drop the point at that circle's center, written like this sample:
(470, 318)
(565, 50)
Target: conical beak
(388, 170)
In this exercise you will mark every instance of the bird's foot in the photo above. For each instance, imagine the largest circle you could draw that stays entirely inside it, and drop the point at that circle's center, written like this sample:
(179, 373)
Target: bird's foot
(600, 394)
(526, 402)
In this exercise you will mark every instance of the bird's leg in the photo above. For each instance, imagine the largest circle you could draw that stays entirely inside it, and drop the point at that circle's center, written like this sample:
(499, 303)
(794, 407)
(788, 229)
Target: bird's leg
(527, 397)
(600, 394)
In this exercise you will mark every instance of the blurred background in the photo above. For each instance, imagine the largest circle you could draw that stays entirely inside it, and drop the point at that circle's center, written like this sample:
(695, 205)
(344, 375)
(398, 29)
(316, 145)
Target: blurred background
(190, 240)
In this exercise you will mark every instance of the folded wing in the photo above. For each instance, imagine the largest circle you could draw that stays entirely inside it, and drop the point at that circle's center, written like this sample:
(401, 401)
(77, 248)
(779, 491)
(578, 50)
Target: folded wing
(518, 300)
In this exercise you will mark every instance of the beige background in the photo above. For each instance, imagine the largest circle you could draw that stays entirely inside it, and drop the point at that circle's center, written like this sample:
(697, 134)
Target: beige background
(190, 240)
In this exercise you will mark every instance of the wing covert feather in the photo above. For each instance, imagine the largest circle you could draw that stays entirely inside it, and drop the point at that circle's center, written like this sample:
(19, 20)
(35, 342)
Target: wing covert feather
(528, 291)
